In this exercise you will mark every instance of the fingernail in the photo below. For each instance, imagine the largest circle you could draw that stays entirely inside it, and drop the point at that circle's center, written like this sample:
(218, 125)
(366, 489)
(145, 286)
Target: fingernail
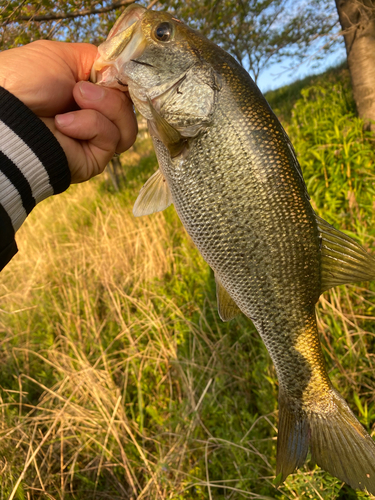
(65, 120)
(90, 91)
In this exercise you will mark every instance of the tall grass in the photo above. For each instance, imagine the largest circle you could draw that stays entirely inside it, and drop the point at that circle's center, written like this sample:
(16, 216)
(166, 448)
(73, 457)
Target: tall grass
(118, 379)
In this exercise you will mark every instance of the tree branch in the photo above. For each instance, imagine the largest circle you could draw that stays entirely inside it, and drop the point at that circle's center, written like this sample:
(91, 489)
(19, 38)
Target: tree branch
(71, 15)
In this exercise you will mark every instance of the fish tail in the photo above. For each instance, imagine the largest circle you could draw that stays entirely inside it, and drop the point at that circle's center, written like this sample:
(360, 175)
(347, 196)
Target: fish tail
(338, 442)
(292, 439)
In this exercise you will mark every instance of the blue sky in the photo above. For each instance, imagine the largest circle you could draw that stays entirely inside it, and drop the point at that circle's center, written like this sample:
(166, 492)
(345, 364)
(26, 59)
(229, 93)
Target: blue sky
(275, 76)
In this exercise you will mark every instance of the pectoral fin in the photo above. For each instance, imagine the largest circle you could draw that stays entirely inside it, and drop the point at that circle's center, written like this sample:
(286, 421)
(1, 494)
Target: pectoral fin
(343, 259)
(154, 196)
(227, 308)
(170, 137)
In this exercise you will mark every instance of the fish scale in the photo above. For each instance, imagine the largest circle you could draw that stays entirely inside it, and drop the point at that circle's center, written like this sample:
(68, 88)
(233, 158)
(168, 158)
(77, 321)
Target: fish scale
(255, 226)
(229, 168)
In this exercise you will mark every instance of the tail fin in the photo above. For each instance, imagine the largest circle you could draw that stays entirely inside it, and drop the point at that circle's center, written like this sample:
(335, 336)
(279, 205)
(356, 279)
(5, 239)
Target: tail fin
(292, 441)
(338, 443)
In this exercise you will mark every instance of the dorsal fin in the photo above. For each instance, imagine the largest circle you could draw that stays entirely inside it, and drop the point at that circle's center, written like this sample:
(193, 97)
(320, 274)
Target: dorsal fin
(343, 259)
(154, 196)
(226, 306)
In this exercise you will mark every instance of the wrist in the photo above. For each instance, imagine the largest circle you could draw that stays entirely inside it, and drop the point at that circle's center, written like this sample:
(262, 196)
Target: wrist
(11, 78)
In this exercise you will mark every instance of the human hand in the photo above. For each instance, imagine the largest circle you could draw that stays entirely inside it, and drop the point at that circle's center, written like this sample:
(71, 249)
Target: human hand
(46, 76)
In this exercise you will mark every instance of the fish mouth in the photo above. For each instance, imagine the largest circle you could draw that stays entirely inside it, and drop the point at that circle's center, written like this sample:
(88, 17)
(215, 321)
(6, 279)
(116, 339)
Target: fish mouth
(124, 43)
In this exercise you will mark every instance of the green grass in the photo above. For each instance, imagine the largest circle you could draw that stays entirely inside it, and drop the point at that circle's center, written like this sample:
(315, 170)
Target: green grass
(119, 381)
(283, 99)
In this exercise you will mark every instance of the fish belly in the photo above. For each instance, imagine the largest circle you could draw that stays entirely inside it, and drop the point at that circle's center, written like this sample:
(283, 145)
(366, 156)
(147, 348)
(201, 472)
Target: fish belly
(244, 205)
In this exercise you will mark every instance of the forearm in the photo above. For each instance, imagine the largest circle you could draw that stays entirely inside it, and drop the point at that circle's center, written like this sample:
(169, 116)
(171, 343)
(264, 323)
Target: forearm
(33, 166)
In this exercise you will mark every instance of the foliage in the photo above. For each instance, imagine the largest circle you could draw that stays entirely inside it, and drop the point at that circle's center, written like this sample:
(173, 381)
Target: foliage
(336, 155)
(118, 379)
(26, 21)
(258, 33)
(283, 99)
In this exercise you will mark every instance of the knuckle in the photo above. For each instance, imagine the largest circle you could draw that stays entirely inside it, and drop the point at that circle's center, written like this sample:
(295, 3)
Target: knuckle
(42, 45)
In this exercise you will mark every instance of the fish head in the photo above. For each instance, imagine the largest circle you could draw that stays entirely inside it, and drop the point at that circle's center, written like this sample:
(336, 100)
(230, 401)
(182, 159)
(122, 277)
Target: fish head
(155, 56)
(144, 48)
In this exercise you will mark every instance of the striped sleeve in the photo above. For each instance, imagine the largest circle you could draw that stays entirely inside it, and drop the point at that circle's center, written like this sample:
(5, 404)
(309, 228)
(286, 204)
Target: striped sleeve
(33, 166)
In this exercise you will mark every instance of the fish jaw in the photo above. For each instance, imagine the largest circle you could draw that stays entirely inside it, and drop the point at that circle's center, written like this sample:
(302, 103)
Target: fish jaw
(124, 43)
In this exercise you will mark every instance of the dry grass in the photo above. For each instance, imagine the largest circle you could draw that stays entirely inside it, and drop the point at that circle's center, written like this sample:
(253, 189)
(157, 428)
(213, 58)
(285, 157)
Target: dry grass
(88, 271)
(97, 403)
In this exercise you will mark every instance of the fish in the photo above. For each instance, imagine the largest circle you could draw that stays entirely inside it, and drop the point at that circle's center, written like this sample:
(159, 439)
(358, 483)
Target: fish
(230, 170)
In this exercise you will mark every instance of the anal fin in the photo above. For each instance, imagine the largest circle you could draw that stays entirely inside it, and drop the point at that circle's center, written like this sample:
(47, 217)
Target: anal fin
(343, 259)
(226, 306)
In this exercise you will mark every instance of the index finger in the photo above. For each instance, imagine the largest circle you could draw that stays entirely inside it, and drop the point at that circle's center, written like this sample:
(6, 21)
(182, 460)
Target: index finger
(114, 105)
(42, 74)
(79, 56)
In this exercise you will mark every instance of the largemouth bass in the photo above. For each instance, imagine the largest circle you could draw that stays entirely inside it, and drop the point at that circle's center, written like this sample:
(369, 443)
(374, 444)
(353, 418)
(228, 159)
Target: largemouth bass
(230, 170)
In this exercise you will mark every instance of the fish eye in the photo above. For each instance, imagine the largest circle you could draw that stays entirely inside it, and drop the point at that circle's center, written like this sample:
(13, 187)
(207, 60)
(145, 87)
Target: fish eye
(163, 32)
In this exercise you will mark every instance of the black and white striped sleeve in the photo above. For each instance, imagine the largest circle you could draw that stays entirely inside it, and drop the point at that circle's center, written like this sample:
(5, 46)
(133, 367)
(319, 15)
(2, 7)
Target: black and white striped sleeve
(33, 166)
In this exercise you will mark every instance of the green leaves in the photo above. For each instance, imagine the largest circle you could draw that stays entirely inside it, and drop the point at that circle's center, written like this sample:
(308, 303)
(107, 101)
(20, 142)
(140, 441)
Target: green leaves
(74, 21)
(335, 153)
(256, 32)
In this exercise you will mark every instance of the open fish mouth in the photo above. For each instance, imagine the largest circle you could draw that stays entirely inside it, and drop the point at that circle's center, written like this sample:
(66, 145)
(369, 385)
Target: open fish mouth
(124, 43)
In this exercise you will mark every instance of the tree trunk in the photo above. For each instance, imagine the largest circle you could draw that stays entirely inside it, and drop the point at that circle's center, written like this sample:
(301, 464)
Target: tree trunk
(357, 19)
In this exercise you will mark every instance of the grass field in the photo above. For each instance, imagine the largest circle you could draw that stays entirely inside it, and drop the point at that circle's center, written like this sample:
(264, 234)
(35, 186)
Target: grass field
(119, 381)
